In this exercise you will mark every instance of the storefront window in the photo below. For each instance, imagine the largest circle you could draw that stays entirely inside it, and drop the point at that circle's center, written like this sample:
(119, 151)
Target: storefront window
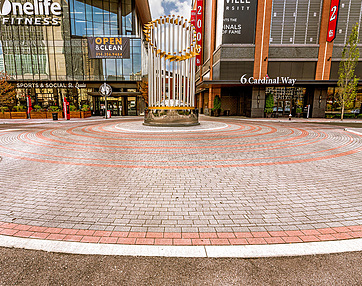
(334, 107)
(287, 99)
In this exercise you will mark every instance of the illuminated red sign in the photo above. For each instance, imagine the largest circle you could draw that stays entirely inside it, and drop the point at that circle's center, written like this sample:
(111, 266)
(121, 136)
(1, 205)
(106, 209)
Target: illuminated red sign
(199, 24)
(333, 19)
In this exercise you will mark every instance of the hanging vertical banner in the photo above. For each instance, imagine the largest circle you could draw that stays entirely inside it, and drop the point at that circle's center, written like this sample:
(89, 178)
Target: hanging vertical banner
(333, 19)
(199, 25)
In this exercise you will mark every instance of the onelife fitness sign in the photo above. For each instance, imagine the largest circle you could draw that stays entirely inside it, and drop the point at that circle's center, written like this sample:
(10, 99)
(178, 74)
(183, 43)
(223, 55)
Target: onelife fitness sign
(333, 19)
(108, 48)
(199, 25)
(38, 13)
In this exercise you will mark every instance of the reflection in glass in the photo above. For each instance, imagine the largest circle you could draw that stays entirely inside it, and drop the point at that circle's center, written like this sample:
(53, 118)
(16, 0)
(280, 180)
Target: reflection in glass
(60, 53)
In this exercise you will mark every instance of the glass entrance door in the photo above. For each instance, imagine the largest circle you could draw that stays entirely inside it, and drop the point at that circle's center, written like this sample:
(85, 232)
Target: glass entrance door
(283, 107)
(113, 106)
(131, 105)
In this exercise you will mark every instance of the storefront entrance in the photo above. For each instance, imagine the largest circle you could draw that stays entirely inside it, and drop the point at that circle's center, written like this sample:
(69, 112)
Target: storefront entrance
(282, 107)
(119, 106)
(286, 100)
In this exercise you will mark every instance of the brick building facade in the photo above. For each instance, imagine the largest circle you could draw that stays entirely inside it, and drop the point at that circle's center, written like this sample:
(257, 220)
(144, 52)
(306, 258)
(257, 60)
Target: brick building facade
(280, 47)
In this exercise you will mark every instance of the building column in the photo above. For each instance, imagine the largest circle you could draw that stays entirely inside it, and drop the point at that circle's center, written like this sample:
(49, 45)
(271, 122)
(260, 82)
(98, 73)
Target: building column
(262, 35)
(200, 102)
(257, 101)
(319, 103)
(325, 48)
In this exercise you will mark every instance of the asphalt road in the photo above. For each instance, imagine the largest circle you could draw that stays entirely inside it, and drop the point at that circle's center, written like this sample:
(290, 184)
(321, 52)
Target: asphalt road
(28, 267)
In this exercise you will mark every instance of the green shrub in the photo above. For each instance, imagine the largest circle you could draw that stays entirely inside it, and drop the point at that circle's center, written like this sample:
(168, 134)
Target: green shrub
(72, 108)
(53, 108)
(349, 115)
(37, 107)
(359, 115)
(85, 107)
(19, 108)
(299, 110)
(269, 103)
(4, 109)
(217, 103)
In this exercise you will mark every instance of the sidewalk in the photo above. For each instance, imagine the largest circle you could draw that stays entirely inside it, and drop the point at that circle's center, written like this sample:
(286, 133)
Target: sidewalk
(228, 187)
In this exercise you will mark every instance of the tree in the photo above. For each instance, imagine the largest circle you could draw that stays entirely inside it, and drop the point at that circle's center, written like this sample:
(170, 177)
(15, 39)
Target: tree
(269, 104)
(348, 81)
(7, 91)
(217, 105)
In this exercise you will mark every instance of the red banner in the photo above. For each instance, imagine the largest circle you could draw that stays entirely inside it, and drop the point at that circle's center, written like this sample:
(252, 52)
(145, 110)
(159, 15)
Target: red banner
(199, 25)
(333, 19)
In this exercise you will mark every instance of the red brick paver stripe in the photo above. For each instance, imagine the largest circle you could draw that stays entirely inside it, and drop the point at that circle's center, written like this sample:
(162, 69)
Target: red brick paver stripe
(356, 234)
(188, 238)
(201, 241)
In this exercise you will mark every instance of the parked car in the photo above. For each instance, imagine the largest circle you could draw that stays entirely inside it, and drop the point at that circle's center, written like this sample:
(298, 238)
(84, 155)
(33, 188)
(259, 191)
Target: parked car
(356, 111)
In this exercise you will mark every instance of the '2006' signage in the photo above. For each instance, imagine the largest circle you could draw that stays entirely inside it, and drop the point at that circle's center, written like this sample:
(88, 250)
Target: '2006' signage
(199, 25)
(38, 13)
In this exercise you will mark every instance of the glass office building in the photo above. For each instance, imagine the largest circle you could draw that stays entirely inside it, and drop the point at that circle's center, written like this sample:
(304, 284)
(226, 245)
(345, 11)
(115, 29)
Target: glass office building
(47, 55)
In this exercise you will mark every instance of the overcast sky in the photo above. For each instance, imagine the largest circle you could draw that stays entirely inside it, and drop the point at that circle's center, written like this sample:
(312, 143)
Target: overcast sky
(170, 7)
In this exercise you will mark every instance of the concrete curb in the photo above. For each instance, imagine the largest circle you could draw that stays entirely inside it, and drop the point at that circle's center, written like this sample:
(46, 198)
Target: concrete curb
(358, 132)
(243, 251)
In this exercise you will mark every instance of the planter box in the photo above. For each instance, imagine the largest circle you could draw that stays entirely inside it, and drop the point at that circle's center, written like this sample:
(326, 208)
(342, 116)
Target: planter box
(18, 115)
(38, 115)
(5, 115)
(50, 114)
(75, 114)
(85, 114)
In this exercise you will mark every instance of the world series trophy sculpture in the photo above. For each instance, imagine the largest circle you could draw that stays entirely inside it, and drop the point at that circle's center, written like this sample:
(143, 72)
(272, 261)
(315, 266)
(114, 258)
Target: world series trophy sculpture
(171, 72)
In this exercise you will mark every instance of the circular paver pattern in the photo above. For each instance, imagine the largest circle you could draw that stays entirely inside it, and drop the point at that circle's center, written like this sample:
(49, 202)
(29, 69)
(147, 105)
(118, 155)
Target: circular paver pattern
(229, 180)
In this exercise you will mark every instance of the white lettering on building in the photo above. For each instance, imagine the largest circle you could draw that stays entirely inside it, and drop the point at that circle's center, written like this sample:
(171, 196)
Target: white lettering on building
(266, 80)
(14, 13)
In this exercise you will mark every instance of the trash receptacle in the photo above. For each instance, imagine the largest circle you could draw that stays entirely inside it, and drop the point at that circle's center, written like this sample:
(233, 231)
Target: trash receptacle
(55, 115)
(108, 114)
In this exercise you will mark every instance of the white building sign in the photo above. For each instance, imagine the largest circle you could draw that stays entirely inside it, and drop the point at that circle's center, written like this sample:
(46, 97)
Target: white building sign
(37, 13)
(285, 80)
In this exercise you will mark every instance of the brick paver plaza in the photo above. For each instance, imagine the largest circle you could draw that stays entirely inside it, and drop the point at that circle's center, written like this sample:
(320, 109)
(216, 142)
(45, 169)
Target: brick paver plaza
(227, 181)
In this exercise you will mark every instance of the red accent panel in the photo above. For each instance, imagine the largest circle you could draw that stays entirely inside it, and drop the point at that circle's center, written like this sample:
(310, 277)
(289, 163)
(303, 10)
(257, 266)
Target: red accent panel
(199, 26)
(333, 19)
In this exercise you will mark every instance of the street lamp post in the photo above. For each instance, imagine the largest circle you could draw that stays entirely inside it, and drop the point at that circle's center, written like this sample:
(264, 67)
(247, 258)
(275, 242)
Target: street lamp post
(105, 90)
